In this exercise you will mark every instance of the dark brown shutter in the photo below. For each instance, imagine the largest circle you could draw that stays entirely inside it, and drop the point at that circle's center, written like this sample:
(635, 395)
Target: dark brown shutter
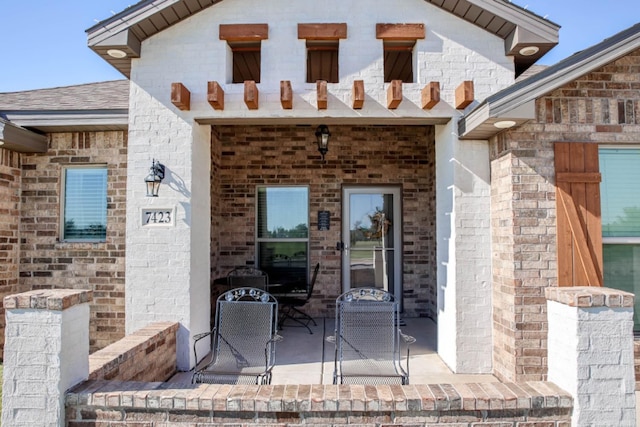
(578, 214)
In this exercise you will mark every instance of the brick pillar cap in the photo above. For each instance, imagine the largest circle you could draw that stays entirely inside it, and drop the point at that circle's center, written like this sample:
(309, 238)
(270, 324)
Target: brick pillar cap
(590, 296)
(48, 299)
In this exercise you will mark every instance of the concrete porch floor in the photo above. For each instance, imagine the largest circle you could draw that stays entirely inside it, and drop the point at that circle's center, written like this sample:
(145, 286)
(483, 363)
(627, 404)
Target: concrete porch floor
(304, 358)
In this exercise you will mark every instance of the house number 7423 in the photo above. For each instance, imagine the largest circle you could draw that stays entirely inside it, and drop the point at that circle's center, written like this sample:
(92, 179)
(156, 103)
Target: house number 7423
(151, 217)
(159, 217)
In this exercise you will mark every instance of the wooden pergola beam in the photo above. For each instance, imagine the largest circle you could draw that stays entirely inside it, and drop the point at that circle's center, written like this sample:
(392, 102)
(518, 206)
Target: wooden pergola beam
(430, 95)
(322, 31)
(180, 96)
(321, 89)
(357, 93)
(400, 31)
(286, 94)
(464, 94)
(251, 94)
(243, 32)
(215, 95)
(394, 94)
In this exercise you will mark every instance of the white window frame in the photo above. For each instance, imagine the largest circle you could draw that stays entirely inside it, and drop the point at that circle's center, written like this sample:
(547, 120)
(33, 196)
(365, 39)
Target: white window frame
(259, 240)
(63, 199)
(619, 240)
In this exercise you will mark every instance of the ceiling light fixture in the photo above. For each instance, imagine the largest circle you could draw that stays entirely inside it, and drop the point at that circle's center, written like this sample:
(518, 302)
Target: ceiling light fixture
(117, 53)
(529, 50)
(504, 124)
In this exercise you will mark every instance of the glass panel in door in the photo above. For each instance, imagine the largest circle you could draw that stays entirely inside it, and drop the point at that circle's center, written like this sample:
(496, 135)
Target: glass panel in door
(371, 239)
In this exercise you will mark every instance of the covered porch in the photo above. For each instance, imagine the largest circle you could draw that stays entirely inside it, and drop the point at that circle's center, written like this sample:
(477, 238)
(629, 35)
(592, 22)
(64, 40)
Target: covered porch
(304, 358)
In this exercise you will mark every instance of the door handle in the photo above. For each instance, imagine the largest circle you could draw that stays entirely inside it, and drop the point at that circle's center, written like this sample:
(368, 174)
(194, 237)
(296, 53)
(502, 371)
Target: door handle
(340, 246)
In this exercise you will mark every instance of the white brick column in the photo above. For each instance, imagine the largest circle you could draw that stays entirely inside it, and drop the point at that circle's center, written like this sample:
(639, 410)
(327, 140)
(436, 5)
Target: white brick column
(46, 352)
(168, 264)
(590, 353)
(463, 252)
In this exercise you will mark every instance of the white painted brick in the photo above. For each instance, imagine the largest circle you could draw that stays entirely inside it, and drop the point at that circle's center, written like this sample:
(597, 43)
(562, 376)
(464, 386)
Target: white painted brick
(595, 366)
(38, 369)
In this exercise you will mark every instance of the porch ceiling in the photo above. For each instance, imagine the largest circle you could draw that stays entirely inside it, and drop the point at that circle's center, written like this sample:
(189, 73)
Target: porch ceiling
(125, 31)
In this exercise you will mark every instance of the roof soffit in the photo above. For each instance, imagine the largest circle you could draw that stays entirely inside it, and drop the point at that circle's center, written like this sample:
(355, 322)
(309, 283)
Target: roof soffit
(15, 138)
(126, 30)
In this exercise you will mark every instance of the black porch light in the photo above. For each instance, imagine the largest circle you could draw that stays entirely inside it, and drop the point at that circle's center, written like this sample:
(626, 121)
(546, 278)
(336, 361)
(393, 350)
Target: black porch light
(322, 138)
(155, 177)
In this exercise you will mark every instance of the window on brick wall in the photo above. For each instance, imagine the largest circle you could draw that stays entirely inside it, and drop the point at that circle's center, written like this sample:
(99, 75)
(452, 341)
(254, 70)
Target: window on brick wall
(620, 201)
(282, 234)
(84, 206)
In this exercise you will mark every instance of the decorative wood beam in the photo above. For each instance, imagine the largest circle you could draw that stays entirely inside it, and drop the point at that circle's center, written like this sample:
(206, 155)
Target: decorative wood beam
(400, 31)
(322, 31)
(321, 88)
(430, 95)
(357, 94)
(243, 32)
(286, 94)
(394, 94)
(180, 96)
(464, 94)
(251, 94)
(215, 95)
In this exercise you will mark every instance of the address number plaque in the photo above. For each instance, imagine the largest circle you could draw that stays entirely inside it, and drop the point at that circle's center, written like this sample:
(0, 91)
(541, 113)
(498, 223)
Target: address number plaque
(157, 217)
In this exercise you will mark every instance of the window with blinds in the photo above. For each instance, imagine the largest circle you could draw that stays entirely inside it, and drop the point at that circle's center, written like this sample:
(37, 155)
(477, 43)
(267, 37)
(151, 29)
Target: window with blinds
(84, 207)
(620, 204)
(282, 239)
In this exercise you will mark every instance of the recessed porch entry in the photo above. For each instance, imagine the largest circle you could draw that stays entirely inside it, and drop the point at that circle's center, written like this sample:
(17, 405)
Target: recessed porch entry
(371, 238)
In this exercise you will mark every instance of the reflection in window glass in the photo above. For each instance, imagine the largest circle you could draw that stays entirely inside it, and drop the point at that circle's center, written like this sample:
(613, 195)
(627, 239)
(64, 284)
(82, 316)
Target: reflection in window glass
(85, 204)
(283, 234)
(620, 204)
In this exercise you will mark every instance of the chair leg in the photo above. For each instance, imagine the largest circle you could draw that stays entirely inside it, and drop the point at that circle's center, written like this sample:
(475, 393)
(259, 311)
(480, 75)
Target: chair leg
(303, 318)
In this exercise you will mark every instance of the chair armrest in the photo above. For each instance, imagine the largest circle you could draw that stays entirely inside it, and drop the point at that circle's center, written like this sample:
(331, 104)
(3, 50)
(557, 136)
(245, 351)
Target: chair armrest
(276, 338)
(407, 338)
(198, 337)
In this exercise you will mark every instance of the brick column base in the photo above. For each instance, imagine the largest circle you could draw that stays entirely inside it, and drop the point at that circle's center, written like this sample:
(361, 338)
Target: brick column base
(46, 352)
(591, 353)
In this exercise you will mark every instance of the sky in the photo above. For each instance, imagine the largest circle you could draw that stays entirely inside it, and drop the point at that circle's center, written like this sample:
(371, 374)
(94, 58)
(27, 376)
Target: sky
(44, 43)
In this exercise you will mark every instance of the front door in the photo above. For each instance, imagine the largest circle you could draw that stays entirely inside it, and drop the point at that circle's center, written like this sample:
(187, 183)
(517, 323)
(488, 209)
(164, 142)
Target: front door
(371, 238)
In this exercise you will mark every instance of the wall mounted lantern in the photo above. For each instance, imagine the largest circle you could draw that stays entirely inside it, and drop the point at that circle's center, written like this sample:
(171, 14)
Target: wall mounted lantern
(322, 137)
(155, 177)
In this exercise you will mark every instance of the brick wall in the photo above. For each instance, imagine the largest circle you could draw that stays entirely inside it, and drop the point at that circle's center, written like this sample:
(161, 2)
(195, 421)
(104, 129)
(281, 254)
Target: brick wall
(363, 155)
(45, 261)
(601, 107)
(10, 177)
(207, 405)
(149, 354)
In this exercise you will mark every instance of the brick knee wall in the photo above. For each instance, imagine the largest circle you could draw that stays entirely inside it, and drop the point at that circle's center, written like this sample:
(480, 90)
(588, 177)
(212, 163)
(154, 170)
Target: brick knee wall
(462, 405)
(149, 354)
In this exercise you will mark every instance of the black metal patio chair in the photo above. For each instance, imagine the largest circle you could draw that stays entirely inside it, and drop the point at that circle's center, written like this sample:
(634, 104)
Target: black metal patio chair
(291, 306)
(246, 276)
(368, 338)
(243, 341)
